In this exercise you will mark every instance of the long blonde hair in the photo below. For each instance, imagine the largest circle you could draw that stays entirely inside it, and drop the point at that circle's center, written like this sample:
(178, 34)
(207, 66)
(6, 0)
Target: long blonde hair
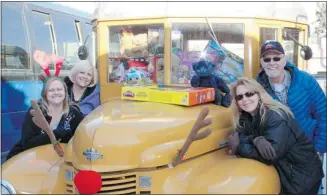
(44, 102)
(265, 100)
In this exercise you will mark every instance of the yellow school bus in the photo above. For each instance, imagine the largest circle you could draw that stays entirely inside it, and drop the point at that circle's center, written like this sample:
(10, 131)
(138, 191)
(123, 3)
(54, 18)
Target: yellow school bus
(130, 144)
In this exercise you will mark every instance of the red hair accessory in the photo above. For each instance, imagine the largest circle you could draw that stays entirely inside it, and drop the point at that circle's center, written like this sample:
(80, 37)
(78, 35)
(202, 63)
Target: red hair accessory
(44, 60)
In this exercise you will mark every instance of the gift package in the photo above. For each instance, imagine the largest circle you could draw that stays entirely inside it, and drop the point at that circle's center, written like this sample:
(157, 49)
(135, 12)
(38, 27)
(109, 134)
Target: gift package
(185, 96)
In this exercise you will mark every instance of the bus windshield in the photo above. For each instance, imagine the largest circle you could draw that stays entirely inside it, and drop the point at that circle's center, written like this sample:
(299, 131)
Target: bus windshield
(142, 46)
(190, 42)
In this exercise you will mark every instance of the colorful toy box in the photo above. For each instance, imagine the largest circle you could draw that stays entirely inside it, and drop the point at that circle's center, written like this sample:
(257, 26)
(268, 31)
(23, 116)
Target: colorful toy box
(169, 95)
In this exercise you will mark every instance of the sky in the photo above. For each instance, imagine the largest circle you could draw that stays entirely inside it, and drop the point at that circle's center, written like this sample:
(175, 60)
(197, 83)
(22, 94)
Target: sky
(89, 7)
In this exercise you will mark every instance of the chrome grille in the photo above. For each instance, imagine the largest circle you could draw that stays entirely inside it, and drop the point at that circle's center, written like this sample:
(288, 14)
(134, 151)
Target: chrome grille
(70, 188)
(118, 183)
(112, 183)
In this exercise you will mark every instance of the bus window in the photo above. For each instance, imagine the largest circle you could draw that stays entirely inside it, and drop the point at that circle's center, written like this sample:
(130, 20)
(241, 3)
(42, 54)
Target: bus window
(14, 49)
(41, 25)
(267, 34)
(78, 31)
(190, 42)
(67, 40)
(136, 46)
(291, 49)
(87, 30)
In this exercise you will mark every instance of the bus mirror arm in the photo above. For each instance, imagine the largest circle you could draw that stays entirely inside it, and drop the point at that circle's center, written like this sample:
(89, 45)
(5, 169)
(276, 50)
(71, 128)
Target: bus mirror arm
(306, 51)
(83, 53)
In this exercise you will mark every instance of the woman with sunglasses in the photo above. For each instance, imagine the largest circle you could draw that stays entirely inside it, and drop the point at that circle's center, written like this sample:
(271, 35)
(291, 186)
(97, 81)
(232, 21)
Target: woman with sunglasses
(267, 131)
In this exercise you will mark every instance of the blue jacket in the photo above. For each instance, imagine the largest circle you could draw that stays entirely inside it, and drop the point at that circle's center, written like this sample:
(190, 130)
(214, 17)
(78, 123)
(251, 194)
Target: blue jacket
(90, 100)
(307, 101)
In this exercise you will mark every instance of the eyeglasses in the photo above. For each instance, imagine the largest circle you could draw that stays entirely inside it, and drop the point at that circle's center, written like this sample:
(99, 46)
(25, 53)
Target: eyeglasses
(247, 94)
(275, 59)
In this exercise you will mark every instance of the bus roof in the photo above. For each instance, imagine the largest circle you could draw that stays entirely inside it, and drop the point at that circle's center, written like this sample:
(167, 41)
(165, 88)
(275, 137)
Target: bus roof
(62, 8)
(291, 11)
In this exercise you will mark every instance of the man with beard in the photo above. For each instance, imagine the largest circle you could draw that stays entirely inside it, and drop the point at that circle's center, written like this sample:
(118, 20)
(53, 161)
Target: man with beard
(296, 89)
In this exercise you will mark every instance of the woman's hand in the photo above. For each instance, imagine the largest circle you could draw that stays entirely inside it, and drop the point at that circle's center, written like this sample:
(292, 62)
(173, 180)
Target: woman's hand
(38, 118)
(233, 142)
(265, 148)
(40, 121)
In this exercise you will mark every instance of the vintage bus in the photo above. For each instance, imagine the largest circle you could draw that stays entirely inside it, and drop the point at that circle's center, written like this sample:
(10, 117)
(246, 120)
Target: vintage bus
(130, 144)
(26, 27)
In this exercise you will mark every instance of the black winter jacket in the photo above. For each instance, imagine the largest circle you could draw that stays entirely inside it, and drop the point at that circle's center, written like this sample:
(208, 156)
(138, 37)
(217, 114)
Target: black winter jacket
(33, 136)
(297, 162)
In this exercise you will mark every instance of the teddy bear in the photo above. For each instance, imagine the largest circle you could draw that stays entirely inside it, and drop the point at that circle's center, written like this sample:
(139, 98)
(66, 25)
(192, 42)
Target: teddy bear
(206, 77)
(126, 40)
(134, 45)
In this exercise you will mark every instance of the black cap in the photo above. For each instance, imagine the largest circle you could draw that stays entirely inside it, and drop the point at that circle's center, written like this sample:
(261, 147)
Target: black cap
(271, 46)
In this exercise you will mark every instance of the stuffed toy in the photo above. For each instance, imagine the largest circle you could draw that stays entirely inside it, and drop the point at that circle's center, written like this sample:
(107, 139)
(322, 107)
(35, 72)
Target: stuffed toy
(205, 77)
(139, 46)
(126, 40)
(160, 70)
(136, 76)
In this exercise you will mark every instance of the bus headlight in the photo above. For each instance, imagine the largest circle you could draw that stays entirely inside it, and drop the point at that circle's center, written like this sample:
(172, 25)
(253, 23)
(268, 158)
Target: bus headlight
(7, 188)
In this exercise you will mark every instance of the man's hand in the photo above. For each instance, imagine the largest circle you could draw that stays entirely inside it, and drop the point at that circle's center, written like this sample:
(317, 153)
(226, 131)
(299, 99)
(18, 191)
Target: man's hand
(233, 142)
(265, 148)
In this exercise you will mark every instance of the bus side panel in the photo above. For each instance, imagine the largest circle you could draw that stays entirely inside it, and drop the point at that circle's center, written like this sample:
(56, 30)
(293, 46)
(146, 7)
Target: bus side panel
(16, 97)
(20, 86)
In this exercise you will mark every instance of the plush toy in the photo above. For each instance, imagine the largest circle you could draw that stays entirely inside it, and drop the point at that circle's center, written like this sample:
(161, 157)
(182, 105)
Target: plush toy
(126, 40)
(205, 77)
(139, 46)
(136, 76)
(160, 70)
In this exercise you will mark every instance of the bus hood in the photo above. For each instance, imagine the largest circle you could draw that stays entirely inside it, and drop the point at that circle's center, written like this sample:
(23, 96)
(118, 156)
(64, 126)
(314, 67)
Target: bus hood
(122, 135)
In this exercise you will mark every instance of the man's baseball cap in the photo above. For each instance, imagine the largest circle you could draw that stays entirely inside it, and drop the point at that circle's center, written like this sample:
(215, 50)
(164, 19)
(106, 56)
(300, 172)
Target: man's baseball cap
(274, 46)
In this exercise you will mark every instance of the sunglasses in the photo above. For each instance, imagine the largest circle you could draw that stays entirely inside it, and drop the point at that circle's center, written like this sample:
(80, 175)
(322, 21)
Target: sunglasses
(275, 59)
(247, 94)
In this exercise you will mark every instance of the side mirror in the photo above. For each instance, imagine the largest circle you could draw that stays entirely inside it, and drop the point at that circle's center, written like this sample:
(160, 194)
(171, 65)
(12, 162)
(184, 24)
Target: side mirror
(306, 52)
(83, 54)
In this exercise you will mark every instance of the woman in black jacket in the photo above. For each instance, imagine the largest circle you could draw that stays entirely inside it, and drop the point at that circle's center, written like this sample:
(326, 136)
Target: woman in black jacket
(61, 118)
(267, 131)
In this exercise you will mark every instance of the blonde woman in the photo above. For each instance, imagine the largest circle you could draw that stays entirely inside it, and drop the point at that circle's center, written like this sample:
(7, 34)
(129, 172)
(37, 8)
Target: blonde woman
(62, 119)
(82, 86)
(267, 132)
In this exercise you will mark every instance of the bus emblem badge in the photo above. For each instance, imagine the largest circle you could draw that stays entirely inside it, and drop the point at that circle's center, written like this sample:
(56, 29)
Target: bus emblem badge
(92, 154)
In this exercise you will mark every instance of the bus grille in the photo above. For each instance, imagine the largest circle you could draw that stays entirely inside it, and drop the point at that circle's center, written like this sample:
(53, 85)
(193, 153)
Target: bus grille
(112, 183)
(118, 183)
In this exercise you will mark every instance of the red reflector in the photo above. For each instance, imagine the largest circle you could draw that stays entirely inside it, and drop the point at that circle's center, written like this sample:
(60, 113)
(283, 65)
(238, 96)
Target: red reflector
(88, 182)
